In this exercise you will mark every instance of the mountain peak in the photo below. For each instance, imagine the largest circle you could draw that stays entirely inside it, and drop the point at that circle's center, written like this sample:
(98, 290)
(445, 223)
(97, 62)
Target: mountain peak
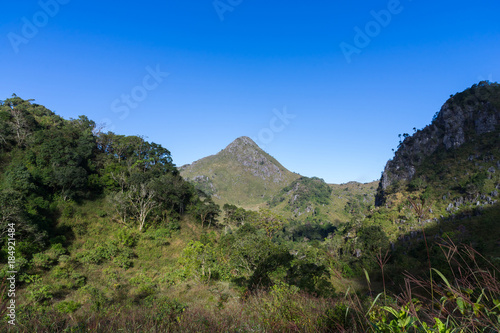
(241, 173)
(240, 142)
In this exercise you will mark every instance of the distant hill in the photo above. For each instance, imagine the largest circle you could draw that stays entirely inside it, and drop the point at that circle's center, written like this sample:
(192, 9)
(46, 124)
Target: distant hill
(311, 199)
(241, 174)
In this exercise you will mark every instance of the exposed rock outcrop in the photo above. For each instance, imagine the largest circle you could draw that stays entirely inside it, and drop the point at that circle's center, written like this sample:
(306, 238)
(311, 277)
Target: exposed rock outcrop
(253, 159)
(464, 116)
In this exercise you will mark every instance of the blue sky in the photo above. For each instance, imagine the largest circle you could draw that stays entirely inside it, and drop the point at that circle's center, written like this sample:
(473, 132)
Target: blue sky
(274, 71)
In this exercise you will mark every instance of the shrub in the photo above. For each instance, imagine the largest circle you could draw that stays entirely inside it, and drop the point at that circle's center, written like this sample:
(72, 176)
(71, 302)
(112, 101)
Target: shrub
(39, 293)
(127, 237)
(124, 258)
(284, 307)
(97, 298)
(67, 306)
(101, 213)
(68, 211)
(42, 260)
(77, 280)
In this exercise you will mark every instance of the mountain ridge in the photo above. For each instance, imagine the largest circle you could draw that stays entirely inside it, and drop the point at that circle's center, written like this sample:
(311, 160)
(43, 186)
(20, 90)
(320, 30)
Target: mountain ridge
(241, 173)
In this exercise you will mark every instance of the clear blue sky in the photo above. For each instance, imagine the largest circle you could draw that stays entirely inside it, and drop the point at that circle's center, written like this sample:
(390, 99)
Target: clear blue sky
(230, 67)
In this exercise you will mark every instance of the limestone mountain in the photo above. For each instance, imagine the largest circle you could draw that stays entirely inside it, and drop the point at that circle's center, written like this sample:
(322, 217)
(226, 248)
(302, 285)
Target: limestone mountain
(456, 155)
(241, 174)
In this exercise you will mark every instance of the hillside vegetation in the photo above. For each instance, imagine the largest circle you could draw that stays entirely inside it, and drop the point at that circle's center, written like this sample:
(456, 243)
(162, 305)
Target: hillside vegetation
(110, 237)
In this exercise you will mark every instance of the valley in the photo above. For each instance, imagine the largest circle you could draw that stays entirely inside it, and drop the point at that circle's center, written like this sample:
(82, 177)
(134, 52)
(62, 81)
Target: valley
(110, 233)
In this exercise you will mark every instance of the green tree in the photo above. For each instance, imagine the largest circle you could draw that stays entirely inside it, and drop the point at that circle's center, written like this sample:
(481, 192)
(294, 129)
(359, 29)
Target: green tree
(207, 211)
(269, 221)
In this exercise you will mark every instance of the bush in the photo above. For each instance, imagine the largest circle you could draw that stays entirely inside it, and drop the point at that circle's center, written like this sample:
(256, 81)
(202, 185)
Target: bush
(166, 309)
(99, 254)
(97, 298)
(127, 237)
(101, 213)
(77, 280)
(59, 272)
(145, 286)
(161, 236)
(39, 293)
(42, 260)
(58, 239)
(124, 258)
(56, 250)
(283, 305)
(68, 211)
(67, 306)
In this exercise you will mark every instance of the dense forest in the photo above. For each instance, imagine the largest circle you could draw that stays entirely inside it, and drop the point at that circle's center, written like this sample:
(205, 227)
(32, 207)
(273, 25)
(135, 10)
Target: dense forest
(110, 237)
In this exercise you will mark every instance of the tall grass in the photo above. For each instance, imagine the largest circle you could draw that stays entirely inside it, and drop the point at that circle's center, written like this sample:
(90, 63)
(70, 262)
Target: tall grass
(466, 298)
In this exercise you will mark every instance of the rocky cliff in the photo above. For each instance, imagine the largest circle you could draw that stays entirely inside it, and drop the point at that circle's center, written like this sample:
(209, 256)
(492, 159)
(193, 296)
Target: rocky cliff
(464, 117)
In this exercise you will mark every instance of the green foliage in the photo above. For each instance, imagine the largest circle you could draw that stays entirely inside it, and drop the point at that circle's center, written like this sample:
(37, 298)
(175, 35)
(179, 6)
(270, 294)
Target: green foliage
(303, 192)
(168, 310)
(98, 299)
(42, 260)
(282, 304)
(236, 216)
(310, 229)
(484, 91)
(206, 211)
(38, 292)
(474, 184)
(160, 236)
(127, 237)
(270, 222)
(77, 280)
(67, 306)
(145, 286)
(120, 254)
(402, 319)
(337, 316)
(200, 261)
(124, 258)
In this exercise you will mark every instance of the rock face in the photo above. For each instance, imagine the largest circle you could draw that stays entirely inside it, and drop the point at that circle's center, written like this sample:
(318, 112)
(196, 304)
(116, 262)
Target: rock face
(464, 116)
(254, 160)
